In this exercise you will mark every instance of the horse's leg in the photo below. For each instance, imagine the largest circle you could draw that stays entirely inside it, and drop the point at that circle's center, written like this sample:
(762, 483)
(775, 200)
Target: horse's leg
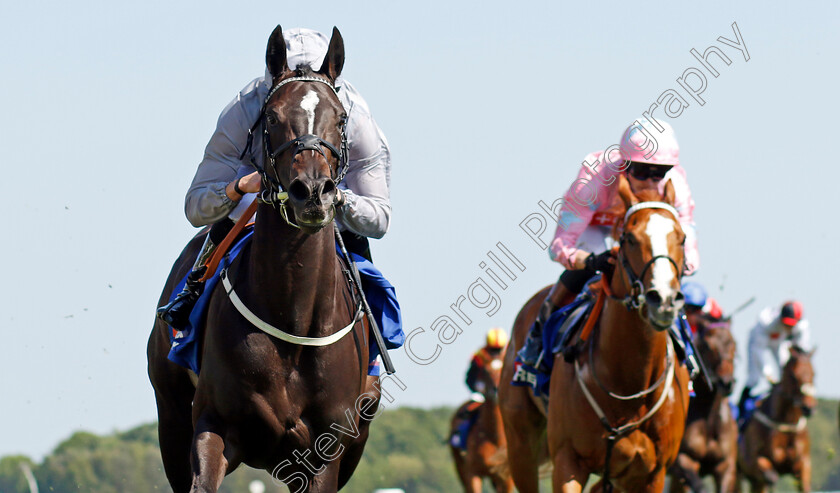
(685, 474)
(502, 484)
(726, 477)
(475, 484)
(657, 484)
(173, 395)
(804, 476)
(353, 454)
(209, 458)
(524, 429)
(767, 471)
(523, 423)
(175, 436)
(326, 481)
(568, 476)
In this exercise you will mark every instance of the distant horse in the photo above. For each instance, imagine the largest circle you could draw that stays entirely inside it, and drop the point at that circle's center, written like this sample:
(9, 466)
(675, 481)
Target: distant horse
(485, 454)
(291, 408)
(710, 443)
(775, 440)
(620, 409)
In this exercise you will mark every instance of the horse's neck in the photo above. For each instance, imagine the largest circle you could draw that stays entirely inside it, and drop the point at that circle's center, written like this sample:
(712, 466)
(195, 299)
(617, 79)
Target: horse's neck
(782, 408)
(706, 404)
(630, 355)
(295, 271)
(490, 419)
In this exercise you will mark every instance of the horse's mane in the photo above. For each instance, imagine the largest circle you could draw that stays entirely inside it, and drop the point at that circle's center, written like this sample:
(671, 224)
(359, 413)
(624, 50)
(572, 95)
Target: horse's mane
(304, 71)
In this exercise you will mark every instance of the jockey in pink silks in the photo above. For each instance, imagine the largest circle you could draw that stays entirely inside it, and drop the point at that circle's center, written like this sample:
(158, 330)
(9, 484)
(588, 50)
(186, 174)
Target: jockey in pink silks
(649, 156)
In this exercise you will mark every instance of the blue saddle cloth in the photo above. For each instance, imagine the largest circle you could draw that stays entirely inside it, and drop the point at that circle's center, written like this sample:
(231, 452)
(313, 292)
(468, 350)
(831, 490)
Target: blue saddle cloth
(750, 405)
(380, 294)
(462, 431)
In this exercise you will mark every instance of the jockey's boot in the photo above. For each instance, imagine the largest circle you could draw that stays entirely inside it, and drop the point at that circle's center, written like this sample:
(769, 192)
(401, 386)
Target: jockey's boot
(177, 312)
(531, 353)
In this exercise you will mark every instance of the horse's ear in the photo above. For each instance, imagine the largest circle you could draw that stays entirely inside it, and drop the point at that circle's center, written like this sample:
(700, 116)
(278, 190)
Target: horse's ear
(670, 194)
(626, 194)
(334, 60)
(275, 53)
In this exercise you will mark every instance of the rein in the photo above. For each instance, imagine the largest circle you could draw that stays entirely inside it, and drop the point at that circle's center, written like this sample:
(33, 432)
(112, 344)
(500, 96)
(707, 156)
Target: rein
(781, 427)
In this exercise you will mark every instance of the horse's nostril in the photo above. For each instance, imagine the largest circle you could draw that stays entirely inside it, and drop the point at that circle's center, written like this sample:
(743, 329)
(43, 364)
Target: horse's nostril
(679, 298)
(653, 297)
(299, 191)
(329, 187)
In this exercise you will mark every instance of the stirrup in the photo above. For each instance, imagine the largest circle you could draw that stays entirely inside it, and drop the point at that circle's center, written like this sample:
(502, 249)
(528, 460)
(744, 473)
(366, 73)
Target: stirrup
(177, 312)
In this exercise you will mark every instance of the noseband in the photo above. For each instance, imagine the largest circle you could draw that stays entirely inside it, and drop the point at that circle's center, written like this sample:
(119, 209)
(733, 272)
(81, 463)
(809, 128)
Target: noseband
(273, 192)
(636, 298)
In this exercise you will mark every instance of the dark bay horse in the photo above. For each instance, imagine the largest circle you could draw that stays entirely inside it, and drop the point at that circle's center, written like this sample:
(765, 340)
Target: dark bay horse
(710, 443)
(776, 438)
(293, 406)
(627, 371)
(485, 454)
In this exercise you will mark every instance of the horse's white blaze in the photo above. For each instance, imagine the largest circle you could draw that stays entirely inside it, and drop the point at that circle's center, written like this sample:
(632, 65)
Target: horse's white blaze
(658, 228)
(308, 104)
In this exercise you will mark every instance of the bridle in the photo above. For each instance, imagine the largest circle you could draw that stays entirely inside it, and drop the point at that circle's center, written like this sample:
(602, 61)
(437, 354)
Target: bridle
(273, 192)
(635, 300)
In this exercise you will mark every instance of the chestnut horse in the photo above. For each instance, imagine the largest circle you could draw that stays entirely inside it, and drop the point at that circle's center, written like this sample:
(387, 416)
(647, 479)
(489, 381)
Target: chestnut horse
(775, 440)
(259, 400)
(620, 409)
(485, 454)
(710, 443)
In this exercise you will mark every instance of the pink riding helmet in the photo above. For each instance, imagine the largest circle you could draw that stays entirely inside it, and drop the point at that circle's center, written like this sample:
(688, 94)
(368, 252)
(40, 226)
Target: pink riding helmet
(643, 142)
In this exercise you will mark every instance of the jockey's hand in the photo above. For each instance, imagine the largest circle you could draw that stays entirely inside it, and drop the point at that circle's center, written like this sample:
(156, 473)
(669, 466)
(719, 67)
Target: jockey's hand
(578, 260)
(249, 184)
(603, 262)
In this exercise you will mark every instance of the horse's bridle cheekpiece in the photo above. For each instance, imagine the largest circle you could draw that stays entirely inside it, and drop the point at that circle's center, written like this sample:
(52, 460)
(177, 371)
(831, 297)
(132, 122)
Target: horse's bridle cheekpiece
(273, 192)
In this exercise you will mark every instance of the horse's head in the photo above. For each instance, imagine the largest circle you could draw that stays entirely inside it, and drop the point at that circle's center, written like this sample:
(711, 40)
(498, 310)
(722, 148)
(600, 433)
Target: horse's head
(491, 370)
(797, 381)
(651, 253)
(305, 142)
(717, 348)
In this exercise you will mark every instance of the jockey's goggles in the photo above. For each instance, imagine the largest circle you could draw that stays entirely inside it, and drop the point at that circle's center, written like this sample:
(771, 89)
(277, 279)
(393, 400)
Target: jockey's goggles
(643, 171)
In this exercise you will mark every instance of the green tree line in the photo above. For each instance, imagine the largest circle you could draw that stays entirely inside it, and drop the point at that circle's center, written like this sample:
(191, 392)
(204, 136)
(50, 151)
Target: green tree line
(406, 449)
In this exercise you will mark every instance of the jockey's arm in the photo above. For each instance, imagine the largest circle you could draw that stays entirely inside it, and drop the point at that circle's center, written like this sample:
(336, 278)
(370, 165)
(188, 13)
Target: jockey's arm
(212, 195)
(575, 217)
(684, 204)
(366, 187)
(755, 354)
(801, 335)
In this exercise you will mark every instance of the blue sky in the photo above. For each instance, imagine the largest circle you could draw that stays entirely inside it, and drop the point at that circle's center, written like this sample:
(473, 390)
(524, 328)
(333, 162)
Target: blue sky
(489, 107)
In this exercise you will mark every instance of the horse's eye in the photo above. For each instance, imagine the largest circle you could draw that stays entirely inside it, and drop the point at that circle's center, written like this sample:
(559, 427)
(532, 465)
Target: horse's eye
(271, 119)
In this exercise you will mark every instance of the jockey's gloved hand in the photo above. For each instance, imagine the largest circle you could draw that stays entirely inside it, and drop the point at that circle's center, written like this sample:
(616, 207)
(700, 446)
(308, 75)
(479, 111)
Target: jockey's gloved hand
(603, 262)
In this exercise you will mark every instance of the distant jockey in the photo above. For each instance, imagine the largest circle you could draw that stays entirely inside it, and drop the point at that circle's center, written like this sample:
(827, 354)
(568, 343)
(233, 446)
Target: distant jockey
(775, 332)
(495, 342)
(699, 308)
